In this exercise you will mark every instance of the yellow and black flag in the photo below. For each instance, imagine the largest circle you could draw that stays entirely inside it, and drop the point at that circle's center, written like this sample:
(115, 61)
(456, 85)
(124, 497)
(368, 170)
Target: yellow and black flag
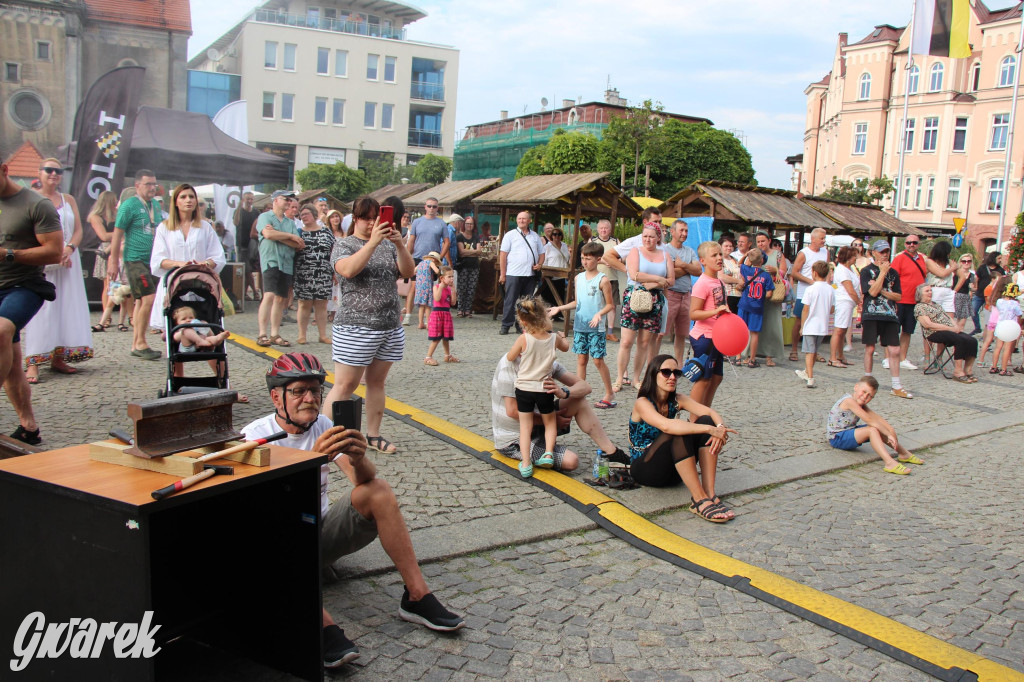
(940, 28)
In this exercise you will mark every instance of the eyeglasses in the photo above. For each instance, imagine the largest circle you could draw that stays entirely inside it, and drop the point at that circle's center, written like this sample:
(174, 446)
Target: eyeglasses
(911, 243)
(315, 391)
(52, 171)
(667, 373)
(556, 234)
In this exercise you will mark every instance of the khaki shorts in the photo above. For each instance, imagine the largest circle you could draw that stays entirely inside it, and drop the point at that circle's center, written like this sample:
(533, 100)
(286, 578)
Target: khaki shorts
(140, 279)
(344, 531)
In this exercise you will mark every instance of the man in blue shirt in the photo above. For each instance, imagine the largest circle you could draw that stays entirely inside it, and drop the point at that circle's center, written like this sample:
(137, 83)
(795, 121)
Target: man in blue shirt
(428, 233)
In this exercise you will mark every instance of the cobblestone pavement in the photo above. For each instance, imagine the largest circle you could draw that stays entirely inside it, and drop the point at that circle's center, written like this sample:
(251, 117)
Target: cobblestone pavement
(587, 605)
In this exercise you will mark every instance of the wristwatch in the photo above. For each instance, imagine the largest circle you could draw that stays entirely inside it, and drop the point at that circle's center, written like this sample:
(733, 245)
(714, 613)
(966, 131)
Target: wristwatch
(70, 246)
(9, 258)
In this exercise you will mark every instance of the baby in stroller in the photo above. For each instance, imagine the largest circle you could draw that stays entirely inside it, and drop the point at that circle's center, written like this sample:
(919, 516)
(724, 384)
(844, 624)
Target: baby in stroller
(191, 339)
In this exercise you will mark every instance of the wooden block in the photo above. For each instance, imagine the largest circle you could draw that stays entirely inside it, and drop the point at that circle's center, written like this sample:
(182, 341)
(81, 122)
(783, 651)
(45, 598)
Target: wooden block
(114, 453)
(11, 447)
(260, 457)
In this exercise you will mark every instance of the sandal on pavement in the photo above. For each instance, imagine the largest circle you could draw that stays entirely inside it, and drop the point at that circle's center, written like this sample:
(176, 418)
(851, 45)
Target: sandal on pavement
(545, 461)
(994, 370)
(837, 364)
(263, 340)
(753, 364)
(899, 470)
(913, 459)
(963, 379)
(525, 470)
(769, 363)
(718, 500)
(26, 436)
(381, 444)
(1006, 373)
(279, 341)
(96, 328)
(451, 358)
(626, 381)
(122, 327)
(792, 357)
(616, 387)
(430, 362)
(1019, 369)
(710, 511)
(605, 404)
(902, 393)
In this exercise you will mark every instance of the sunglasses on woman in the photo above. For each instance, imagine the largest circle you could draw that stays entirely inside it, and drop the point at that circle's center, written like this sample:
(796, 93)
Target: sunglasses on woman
(668, 373)
(52, 171)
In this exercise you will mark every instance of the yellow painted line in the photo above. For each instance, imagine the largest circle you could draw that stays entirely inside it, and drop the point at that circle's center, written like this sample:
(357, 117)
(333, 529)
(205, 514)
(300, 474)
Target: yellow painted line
(857, 618)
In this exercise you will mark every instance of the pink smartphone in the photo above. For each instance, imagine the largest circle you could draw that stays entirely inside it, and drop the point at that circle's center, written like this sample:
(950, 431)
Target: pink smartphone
(387, 214)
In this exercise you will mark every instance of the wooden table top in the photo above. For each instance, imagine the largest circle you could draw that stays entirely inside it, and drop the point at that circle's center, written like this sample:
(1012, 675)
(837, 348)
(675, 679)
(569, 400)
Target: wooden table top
(71, 468)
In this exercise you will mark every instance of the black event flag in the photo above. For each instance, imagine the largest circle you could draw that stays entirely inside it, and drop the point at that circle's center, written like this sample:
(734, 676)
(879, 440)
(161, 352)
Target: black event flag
(103, 133)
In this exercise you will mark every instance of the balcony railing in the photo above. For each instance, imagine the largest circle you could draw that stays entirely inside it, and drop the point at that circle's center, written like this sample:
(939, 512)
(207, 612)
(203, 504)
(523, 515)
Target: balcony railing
(360, 28)
(424, 138)
(428, 91)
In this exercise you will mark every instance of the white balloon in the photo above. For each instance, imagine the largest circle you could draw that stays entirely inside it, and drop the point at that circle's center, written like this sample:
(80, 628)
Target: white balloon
(1008, 331)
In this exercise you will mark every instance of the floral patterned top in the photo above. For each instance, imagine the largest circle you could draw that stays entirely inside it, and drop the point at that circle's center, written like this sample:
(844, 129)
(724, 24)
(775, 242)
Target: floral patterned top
(370, 299)
(642, 434)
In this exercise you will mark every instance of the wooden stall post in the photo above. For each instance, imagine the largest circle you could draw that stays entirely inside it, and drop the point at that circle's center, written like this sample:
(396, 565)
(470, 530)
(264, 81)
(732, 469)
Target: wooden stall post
(499, 299)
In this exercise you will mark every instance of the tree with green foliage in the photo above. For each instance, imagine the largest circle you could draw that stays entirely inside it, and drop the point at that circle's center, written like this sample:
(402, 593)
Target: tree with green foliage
(860, 191)
(634, 140)
(570, 153)
(339, 180)
(532, 162)
(1015, 257)
(433, 169)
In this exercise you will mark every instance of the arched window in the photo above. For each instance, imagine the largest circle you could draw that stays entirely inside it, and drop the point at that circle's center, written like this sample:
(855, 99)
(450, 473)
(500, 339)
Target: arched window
(913, 79)
(935, 80)
(573, 117)
(1007, 67)
(865, 86)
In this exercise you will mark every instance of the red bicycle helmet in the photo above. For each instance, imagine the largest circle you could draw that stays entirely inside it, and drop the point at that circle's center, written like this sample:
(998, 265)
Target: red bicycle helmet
(293, 366)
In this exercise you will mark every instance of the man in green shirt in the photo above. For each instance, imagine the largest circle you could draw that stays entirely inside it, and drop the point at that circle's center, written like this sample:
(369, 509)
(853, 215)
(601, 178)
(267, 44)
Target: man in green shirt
(136, 223)
(279, 240)
(30, 237)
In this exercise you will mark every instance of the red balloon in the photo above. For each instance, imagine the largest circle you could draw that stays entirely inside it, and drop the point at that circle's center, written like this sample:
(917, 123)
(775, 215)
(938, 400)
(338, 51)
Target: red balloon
(730, 334)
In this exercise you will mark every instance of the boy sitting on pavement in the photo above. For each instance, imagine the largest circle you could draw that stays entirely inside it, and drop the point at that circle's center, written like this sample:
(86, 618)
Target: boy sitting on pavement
(844, 433)
(817, 304)
(593, 301)
(369, 510)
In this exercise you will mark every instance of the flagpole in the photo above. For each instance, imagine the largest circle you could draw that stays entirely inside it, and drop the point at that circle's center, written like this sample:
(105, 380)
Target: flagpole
(1009, 139)
(903, 124)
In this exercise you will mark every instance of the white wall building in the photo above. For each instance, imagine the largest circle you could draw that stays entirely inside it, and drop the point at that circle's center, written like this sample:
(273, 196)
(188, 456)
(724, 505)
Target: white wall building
(334, 81)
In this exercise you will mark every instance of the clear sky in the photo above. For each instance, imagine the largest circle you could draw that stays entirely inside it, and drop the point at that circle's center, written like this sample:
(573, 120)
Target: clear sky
(744, 65)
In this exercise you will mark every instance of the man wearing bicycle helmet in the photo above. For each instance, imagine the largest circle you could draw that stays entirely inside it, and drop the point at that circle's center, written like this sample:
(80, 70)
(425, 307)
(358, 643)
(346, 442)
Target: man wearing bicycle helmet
(295, 381)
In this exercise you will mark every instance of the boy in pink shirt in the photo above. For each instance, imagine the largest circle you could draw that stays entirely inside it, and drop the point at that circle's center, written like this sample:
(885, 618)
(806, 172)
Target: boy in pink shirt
(707, 302)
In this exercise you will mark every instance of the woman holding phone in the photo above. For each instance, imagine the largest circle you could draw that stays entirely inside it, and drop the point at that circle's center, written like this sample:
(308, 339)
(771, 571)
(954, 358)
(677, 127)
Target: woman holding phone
(368, 334)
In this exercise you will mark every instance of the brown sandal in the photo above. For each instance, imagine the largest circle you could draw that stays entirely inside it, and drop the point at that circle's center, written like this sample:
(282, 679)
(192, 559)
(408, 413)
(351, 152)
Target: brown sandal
(279, 341)
(451, 358)
(430, 362)
(263, 340)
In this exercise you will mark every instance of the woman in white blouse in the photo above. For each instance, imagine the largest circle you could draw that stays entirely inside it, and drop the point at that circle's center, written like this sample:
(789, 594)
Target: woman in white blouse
(184, 238)
(556, 255)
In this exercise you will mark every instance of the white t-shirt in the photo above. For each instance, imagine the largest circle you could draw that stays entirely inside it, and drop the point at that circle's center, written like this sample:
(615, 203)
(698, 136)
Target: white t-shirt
(845, 274)
(817, 300)
(554, 257)
(520, 262)
(810, 258)
(505, 429)
(268, 426)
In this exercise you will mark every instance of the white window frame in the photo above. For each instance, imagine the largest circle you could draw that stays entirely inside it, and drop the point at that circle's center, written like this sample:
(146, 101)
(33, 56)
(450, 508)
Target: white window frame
(907, 188)
(931, 134)
(373, 113)
(935, 75)
(999, 122)
(953, 194)
(295, 57)
(929, 197)
(995, 188)
(375, 59)
(384, 110)
(895, 191)
(860, 139)
(334, 110)
(1007, 68)
(290, 99)
(317, 101)
(957, 128)
(49, 50)
(273, 106)
(394, 69)
(343, 54)
(908, 134)
(864, 89)
(326, 53)
(919, 192)
(266, 48)
(913, 80)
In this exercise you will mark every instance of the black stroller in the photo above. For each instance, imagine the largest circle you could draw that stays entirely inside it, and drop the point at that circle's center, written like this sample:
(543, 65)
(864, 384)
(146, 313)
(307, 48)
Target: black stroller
(199, 288)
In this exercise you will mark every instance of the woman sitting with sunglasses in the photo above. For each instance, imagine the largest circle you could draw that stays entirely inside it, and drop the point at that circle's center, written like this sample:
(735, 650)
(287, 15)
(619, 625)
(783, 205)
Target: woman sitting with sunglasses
(665, 449)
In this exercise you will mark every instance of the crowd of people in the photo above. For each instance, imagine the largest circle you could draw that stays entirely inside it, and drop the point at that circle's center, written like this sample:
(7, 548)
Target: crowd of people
(349, 272)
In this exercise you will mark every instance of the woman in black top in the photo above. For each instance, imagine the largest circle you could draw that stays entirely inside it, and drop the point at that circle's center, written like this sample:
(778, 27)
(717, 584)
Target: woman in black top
(988, 271)
(468, 266)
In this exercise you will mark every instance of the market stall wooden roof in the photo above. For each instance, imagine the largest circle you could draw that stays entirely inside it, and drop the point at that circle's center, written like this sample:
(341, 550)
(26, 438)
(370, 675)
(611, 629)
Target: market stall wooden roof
(401, 191)
(448, 194)
(594, 192)
(306, 197)
(862, 218)
(781, 208)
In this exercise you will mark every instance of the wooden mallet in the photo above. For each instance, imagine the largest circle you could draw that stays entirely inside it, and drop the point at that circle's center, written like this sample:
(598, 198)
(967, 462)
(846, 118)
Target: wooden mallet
(213, 469)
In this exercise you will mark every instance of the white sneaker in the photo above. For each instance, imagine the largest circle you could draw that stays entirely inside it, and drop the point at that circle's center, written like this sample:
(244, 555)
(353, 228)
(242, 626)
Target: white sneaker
(406, 319)
(907, 364)
(811, 384)
(802, 374)
(847, 348)
(885, 363)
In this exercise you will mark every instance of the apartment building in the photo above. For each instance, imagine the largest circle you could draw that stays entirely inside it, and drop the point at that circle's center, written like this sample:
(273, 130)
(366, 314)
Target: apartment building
(332, 82)
(957, 124)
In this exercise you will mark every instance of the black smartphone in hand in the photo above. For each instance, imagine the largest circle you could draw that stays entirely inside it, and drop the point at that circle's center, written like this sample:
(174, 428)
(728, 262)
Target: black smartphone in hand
(348, 413)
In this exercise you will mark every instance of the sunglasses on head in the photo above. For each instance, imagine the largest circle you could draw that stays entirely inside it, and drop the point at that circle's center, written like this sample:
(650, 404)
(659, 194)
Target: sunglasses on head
(52, 171)
(668, 373)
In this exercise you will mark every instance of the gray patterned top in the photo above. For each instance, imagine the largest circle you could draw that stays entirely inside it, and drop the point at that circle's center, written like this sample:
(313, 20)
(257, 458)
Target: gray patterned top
(370, 299)
(840, 420)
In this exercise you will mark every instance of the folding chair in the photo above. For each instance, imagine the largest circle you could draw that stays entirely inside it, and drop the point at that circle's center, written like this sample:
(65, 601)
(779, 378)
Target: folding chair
(942, 358)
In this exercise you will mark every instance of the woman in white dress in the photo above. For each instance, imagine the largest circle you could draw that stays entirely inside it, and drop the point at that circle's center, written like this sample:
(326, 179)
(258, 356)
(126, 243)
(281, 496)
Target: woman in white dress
(184, 238)
(60, 332)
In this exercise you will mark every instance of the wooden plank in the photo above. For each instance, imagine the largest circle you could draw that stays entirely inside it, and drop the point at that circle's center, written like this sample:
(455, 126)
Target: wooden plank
(114, 453)
(260, 457)
(12, 447)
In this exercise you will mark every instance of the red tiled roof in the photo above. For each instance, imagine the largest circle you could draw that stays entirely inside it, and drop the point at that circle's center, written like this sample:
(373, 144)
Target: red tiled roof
(24, 162)
(987, 16)
(167, 15)
(882, 33)
(825, 80)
